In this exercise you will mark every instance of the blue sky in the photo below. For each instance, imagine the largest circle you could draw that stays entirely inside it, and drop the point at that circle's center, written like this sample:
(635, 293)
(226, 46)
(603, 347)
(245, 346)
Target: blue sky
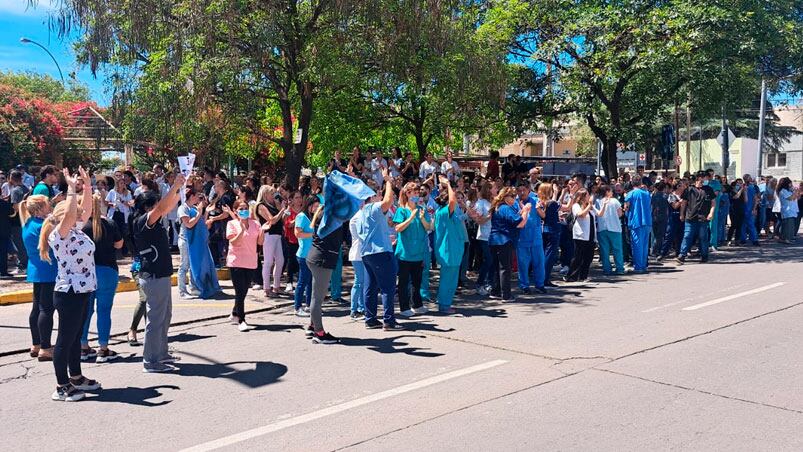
(17, 21)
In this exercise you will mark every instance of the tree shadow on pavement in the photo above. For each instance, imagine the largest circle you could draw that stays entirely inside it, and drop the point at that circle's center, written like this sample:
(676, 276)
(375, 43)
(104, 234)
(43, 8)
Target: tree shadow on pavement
(188, 337)
(769, 252)
(424, 325)
(277, 327)
(134, 396)
(389, 345)
(262, 373)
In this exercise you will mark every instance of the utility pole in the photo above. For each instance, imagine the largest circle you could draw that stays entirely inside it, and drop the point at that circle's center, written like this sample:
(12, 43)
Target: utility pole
(688, 136)
(677, 135)
(761, 113)
(726, 158)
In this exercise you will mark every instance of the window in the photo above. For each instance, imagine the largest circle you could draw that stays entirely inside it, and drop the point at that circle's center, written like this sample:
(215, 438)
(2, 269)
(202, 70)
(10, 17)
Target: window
(776, 159)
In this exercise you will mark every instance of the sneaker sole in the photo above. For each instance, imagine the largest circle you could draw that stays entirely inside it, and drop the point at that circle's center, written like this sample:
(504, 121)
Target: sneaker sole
(319, 341)
(100, 360)
(89, 388)
(158, 371)
(67, 399)
(373, 327)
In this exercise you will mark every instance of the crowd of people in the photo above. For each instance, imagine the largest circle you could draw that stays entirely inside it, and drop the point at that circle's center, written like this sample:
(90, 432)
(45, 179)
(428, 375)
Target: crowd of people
(476, 228)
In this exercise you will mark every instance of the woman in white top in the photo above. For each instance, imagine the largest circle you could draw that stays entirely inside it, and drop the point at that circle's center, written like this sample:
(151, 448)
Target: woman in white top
(75, 282)
(357, 298)
(583, 233)
(788, 196)
(608, 211)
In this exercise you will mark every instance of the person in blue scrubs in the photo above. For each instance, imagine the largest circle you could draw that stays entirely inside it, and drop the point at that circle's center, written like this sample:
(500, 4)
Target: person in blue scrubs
(750, 209)
(505, 224)
(412, 224)
(377, 256)
(530, 246)
(639, 223)
(449, 240)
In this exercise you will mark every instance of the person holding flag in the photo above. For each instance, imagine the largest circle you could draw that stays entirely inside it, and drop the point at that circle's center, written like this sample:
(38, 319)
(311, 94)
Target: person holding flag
(343, 195)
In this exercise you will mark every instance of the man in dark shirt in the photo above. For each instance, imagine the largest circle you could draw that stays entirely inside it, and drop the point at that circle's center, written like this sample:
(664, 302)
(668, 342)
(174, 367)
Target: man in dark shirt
(697, 211)
(153, 250)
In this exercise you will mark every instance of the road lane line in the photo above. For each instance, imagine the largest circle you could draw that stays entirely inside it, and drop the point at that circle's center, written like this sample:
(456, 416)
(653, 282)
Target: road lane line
(339, 408)
(733, 297)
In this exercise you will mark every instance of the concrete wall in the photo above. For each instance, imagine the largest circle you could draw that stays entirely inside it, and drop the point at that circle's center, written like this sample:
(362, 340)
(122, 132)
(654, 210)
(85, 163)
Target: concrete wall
(743, 157)
(794, 161)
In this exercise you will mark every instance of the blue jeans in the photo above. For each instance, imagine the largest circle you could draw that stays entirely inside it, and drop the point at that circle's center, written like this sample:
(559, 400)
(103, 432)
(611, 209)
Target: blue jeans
(693, 231)
(528, 255)
(551, 250)
(447, 286)
(304, 285)
(640, 244)
(674, 234)
(104, 295)
(336, 281)
(610, 242)
(380, 271)
(748, 228)
(357, 296)
(483, 279)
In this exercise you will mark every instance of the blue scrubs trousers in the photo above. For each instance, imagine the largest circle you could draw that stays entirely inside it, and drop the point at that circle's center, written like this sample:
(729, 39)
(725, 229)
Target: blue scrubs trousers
(530, 255)
(640, 244)
(447, 286)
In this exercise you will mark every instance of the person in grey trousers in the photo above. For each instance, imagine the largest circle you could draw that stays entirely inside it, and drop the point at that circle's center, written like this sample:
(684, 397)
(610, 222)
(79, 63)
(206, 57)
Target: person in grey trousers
(322, 260)
(153, 249)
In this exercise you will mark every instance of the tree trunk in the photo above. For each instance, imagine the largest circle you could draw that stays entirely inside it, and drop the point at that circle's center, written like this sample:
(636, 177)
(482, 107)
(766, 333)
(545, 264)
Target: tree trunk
(609, 158)
(294, 158)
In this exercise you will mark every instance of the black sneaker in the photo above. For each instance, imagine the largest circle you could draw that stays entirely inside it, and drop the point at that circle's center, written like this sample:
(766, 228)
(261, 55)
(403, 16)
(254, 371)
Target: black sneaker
(541, 290)
(325, 338)
(681, 259)
(551, 284)
(525, 291)
(85, 384)
(106, 355)
(88, 353)
(310, 331)
(356, 316)
(373, 325)
(392, 326)
(67, 393)
(170, 359)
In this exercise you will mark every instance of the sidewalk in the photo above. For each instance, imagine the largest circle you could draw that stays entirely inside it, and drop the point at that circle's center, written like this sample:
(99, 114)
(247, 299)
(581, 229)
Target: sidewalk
(17, 290)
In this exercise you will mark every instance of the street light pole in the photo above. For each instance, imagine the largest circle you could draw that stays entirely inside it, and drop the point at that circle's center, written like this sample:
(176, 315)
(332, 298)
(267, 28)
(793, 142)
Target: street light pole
(762, 111)
(726, 158)
(28, 41)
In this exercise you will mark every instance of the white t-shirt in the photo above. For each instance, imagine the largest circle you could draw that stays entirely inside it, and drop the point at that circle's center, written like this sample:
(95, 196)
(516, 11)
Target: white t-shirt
(482, 207)
(356, 244)
(609, 221)
(582, 225)
(446, 166)
(119, 203)
(376, 166)
(426, 169)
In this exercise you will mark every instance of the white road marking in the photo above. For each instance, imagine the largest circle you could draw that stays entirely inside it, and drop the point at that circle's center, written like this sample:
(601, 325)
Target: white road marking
(279, 425)
(686, 300)
(733, 297)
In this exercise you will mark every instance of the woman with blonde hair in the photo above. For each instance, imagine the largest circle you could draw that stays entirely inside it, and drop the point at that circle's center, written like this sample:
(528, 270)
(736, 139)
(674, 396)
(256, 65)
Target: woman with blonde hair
(75, 282)
(33, 212)
(505, 223)
(270, 213)
(108, 240)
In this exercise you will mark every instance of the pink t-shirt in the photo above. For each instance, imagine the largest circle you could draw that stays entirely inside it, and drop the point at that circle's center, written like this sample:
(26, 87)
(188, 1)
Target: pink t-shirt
(243, 253)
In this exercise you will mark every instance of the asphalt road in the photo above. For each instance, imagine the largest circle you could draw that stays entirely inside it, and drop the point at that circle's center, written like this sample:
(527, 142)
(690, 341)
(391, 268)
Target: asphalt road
(698, 357)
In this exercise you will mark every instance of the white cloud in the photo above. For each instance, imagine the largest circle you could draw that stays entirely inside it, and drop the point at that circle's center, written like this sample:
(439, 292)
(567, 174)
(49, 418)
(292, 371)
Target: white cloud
(22, 8)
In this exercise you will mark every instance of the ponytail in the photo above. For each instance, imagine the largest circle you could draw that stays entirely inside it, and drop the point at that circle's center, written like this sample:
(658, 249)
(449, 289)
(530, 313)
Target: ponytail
(97, 221)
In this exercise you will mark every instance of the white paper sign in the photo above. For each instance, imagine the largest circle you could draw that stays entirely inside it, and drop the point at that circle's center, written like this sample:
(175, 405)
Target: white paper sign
(186, 165)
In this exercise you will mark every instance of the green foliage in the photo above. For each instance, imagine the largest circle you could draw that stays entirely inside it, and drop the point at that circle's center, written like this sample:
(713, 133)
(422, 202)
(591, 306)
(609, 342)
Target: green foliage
(46, 87)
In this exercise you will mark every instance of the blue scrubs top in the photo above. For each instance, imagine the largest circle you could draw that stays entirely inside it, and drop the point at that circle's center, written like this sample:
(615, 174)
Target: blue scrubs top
(448, 238)
(504, 222)
(531, 232)
(374, 230)
(411, 243)
(39, 271)
(305, 224)
(639, 212)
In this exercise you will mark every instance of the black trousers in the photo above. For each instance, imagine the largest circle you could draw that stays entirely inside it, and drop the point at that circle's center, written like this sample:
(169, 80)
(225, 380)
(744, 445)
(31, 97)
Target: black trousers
(71, 307)
(290, 260)
(502, 256)
(241, 279)
(737, 218)
(41, 318)
(410, 272)
(581, 262)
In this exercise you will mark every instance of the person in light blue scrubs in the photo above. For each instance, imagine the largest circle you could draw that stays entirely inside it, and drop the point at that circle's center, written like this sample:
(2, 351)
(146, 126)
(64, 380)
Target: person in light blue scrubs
(639, 224)
(449, 240)
(530, 246)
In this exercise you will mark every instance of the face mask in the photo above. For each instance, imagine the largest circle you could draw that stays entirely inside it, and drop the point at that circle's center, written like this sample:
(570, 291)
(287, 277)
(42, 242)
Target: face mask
(244, 214)
(706, 182)
(738, 187)
(414, 199)
(80, 224)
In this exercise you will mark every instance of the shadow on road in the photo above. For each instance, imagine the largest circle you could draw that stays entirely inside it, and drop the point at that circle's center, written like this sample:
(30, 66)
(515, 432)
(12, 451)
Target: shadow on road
(188, 337)
(389, 345)
(424, 325)
(263, 372)
(277, 327)
(134, 396)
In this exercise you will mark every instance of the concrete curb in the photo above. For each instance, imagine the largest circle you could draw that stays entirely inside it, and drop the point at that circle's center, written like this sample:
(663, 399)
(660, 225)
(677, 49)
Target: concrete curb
(26, 295)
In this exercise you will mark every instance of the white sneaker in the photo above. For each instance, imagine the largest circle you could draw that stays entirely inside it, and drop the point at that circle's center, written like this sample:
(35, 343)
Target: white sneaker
(407, 313)
(289, 287)
(421, 310)
(233, 319)
(302, 313)
(244, 327)
(482, 291)
(257, 287)
(564, 270)
(188, 296)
